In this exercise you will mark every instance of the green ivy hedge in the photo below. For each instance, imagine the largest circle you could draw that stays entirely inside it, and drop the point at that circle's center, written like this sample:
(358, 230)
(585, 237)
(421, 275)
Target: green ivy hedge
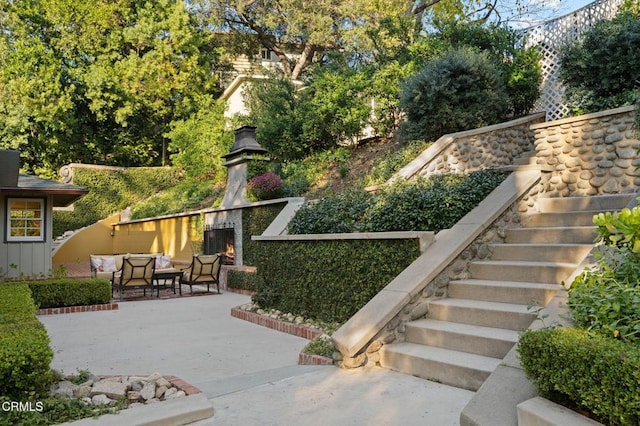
(328, 280)
(243, 280)
(598, 373)
(56, 293)
(25, 355)
(111, 191)
(254, 221)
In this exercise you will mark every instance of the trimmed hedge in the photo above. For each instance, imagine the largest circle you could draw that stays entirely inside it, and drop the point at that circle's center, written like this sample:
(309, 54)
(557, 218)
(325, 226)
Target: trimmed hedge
(25, 355)
(598, 373)
(242, 280)
(328, 280)
(254, 222)
(57, 293)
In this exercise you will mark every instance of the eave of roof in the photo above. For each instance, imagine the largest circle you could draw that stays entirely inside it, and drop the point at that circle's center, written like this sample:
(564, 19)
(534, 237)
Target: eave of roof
(63, 193)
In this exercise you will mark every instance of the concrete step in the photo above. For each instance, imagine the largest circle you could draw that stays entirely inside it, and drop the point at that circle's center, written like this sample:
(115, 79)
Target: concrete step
(509, 316)
(571, 253)
(517, 292)
(582, 218)
(553, 235)
(598, 202)
(453, 368)
(486, 341)
(517, 270)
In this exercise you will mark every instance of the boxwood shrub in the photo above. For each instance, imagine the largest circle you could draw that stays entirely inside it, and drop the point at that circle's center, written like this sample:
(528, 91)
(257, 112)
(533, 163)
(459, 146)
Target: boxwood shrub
(56, 293)
(25, 355)
(598, 373)
(328, 280)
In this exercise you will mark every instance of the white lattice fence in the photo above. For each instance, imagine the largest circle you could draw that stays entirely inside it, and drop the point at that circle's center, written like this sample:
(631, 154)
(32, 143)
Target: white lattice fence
(550, 37)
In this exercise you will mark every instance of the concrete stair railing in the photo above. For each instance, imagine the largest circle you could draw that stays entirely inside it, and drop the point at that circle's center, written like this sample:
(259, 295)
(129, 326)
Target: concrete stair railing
(467, 335)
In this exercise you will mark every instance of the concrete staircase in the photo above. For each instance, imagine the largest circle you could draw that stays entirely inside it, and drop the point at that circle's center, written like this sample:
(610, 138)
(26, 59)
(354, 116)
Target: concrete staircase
(466, 336)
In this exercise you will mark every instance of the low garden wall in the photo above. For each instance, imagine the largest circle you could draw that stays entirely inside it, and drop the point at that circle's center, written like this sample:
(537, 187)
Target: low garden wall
(589, 155)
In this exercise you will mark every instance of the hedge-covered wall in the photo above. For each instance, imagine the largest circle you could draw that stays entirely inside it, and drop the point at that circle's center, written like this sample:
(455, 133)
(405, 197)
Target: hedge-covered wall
(111, 191)
(254, 221)
(328, 280)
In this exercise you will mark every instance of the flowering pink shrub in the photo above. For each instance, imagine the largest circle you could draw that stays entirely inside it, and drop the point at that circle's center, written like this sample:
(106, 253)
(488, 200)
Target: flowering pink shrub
(266, 186)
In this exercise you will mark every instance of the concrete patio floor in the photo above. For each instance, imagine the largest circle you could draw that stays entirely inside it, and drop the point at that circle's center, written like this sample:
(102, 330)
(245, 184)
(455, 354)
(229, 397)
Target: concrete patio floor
(248, 372)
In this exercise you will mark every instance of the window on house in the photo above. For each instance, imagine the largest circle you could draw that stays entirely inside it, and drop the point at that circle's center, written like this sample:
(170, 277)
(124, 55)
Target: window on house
(266, 54)
(25, 219)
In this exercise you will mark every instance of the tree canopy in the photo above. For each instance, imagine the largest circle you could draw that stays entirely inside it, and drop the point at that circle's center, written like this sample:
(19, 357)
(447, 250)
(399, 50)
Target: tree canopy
(99, 81)
(309, 29)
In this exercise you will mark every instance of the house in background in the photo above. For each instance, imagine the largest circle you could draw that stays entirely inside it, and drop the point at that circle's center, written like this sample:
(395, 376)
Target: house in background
(26, 206)
(247, 69)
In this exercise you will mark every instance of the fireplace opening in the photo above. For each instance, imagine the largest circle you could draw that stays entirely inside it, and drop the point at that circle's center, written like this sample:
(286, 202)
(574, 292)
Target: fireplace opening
(220, 238)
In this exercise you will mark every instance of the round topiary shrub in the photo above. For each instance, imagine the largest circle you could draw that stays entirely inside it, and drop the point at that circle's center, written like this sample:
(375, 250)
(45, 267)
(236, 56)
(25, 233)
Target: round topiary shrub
(461, 90)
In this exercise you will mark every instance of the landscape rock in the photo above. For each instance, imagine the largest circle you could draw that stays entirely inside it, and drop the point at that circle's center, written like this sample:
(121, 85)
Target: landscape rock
(148, 391)
(112, 389)
(100, 399)
(64, 388)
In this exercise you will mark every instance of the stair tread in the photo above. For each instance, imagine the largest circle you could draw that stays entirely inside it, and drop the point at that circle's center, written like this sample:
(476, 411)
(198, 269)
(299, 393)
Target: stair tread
(525, 263)
(467, 329)
(507, 284)
(553, 228)
(570, 212)
(445, 356)
(481, 304)
(552, 245)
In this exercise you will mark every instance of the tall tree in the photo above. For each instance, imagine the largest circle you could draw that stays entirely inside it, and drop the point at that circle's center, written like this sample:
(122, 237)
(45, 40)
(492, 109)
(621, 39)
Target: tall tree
(309, 29)
(99, 81)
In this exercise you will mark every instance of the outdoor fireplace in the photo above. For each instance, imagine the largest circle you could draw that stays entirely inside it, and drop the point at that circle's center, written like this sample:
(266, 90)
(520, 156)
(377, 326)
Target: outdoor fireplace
(220, 238)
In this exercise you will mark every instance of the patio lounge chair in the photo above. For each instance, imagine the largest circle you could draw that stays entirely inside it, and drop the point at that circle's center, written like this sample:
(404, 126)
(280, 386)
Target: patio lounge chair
(204, 269)
(136, 272)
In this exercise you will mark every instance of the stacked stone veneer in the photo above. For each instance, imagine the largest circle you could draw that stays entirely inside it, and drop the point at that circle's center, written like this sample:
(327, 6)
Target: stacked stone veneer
(589, 155)
(488, 147)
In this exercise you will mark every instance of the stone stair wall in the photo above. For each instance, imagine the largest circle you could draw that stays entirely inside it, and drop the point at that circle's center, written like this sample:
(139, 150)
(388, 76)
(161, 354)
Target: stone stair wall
(583, 156)
(465, 336)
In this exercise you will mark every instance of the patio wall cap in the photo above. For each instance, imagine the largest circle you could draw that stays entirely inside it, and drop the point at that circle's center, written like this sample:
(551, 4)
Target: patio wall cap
(584, 117)
(347, 236)
(214, 210)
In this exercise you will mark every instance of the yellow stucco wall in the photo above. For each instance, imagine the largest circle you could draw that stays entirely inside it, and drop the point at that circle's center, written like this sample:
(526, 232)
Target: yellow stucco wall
(94, 239)
(178, 236)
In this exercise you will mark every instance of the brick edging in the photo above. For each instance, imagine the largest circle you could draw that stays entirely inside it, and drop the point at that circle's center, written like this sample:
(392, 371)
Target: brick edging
(111, 306)
(299, 330)
(308, 359)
